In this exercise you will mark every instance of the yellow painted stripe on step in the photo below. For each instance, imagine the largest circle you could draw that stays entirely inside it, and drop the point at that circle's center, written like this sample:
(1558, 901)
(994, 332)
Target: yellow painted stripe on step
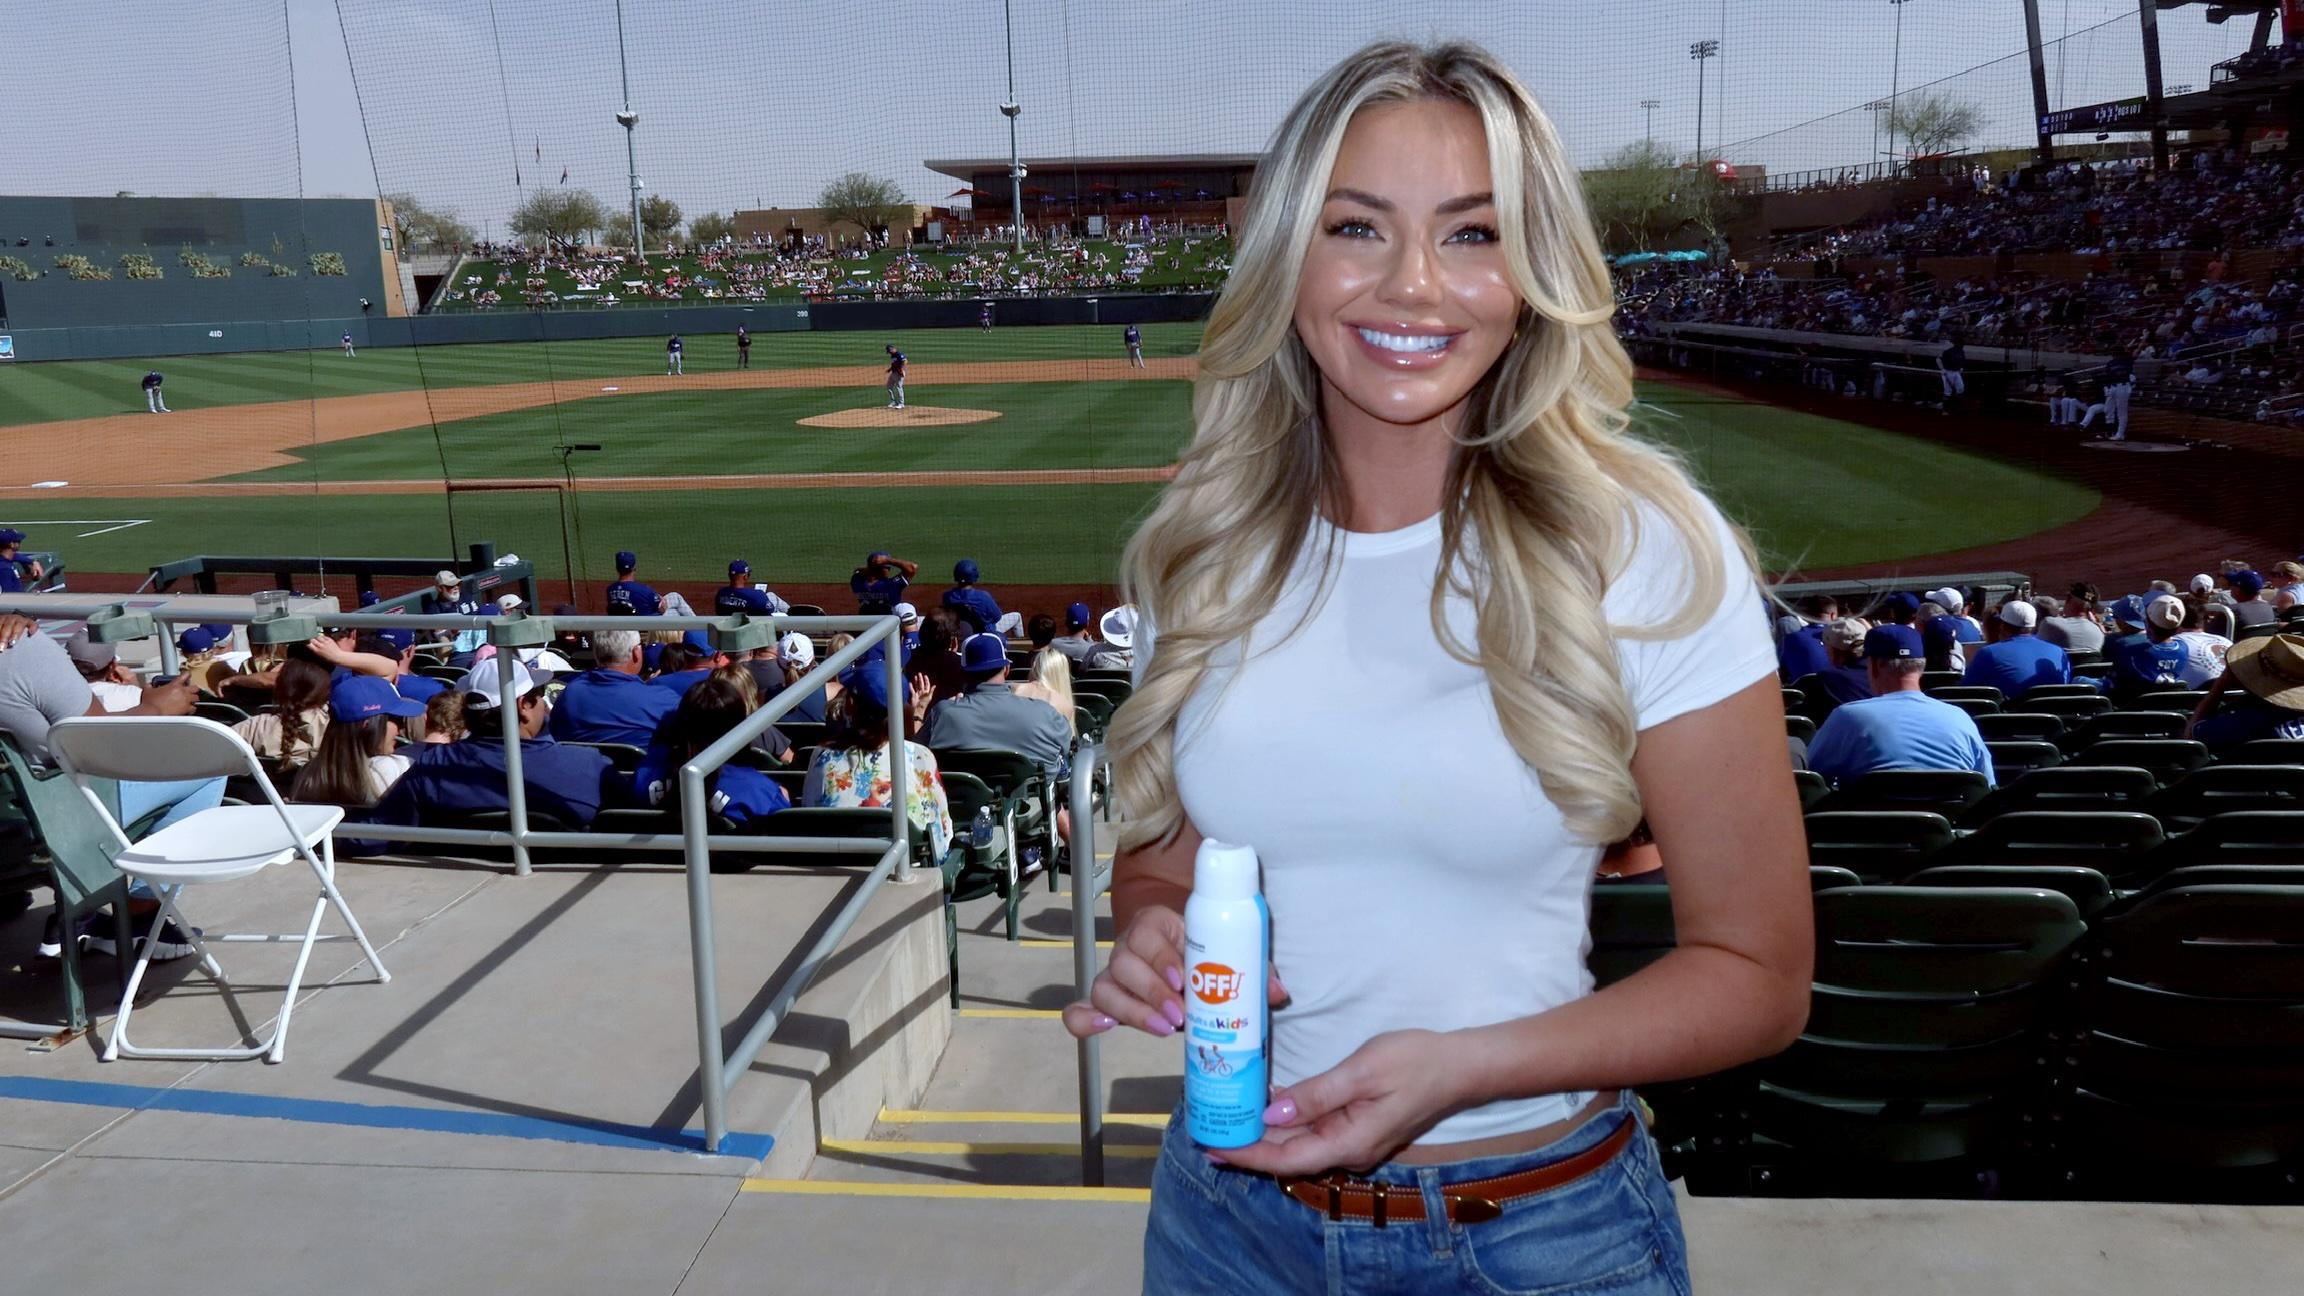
(931, 1147)
(977, 1192)
(902, 1116)
(1034, 942)
(1035, 1014)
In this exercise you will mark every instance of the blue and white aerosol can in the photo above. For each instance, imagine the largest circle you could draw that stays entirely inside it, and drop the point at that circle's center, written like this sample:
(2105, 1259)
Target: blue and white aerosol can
(1227, 949)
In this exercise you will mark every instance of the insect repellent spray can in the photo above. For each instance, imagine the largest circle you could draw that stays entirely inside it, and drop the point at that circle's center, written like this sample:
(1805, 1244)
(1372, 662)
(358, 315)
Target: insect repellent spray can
(1227, 948)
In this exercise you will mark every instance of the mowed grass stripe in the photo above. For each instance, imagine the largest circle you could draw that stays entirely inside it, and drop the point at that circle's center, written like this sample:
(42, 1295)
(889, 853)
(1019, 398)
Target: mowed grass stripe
(1042, 425)
(1060, 534)
(32, 392)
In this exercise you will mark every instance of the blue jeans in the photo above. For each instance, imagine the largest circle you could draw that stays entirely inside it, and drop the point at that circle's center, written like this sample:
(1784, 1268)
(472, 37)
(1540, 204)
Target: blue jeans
(1216, 1230)
(184, 799)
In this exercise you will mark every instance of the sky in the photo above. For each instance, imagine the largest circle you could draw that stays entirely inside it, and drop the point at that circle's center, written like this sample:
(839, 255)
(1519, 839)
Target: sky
(470, 103)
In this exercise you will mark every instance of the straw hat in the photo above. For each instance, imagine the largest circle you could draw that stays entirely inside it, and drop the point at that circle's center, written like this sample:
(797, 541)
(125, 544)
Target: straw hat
(2271, 668)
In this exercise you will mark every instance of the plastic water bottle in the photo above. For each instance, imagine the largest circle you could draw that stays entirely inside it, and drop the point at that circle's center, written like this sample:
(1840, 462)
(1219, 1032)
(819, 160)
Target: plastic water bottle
(980, 832)
(1227, 948)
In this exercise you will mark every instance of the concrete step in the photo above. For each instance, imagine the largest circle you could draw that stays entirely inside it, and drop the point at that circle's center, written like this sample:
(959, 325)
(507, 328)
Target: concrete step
(987, 1162)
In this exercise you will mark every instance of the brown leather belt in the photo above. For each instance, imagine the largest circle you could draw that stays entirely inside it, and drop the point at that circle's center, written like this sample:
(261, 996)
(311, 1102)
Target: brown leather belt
(1343, 1197)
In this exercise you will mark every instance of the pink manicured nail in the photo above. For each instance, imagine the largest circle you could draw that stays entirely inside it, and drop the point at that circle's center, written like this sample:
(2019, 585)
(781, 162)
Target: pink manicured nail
(1175, 980)
(1175, 1012)
(1159, 1026)
(1281, 1112)
(1214, 1159)
(1104, 1022)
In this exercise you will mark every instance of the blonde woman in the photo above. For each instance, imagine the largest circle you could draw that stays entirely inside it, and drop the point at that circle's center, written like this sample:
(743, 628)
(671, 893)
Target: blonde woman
(1051, 682)
(1411, 494)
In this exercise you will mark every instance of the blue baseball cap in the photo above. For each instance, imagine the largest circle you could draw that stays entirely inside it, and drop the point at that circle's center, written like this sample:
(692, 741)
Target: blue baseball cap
(201, 638)
(2248, 583)
(2128, 609)
(868, 679)
(1902, 602)
(700, 640)
(402, 640)
(1893, 643)
(10, 535)
(626, 560)
(739, 568)
(964, 571)
(370, 598)
(364, 697)
(984, 653)
(1078, 614)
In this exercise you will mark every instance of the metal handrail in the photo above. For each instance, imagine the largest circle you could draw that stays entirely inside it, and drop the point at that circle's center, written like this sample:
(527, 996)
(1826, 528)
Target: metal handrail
(717, 1069)
(1090, 879)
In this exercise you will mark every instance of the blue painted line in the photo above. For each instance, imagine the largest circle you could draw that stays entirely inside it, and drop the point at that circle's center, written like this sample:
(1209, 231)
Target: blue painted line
(316, 1111)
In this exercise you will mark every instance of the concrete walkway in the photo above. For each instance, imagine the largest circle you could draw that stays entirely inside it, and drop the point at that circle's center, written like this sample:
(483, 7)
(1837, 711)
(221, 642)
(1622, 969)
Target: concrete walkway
(507, 1115)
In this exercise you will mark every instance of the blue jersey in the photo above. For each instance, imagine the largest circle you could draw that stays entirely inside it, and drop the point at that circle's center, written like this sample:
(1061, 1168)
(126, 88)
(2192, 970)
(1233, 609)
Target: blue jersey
(1901, 730)
(2014, 665)
(1802, 654)
(678, 683)
(674, 345)
(1132, 337)
(751, 600)
(605, 706)
(631, 598)
(2246, 721)
(974, 604)
(152, 380)
(895, 364)
(418, 688)
(875, 597)
(738, 794)
(450, 779)
(11, 578)
(2119, 369)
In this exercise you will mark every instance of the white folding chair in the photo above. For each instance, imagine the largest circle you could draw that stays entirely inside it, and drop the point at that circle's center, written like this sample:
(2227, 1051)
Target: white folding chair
(221, 844)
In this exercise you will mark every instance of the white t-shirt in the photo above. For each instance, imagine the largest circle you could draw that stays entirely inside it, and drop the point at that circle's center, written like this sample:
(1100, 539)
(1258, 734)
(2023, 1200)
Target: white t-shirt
(1416, 872)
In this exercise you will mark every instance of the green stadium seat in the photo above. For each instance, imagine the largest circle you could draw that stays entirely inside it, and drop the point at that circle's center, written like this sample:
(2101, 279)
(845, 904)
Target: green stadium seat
(2287, 875)
(624, 756)
(1930, 681)
(1811, 786)
(1973, 706)
(2167, 759)
(1973, 692)
(2224, 789)
(2020, 726)
(2069, 707)
(1876, 844)
(1800, 727)
(2069, 787)
(1026, 810)
(1631, 928)
(1826, 877)
(2110, 725)
(2243, 837)
(2187, 1082)
(1924, 1038)
(1118, 690)
(2266, 751)
(805, 610)
(2184, 701)
(2043, 692)
(2091, 670)
(1946, 792)
(2089, 890)
(803, 733)
(223, 713)
(2105, 840)
(1795, 701)
(55, 837)
(2264, 631)
(2013, 760)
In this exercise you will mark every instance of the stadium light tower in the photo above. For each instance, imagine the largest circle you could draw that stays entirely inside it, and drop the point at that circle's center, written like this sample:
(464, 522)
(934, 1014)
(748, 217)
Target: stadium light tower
(1009, 108)
(628, 119)
(1876, 107)
(1700, 51)
(1650, 106)
(1895, 80)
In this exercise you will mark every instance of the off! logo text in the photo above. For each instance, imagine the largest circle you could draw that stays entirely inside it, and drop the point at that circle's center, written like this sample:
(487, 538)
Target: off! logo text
(1214, 983)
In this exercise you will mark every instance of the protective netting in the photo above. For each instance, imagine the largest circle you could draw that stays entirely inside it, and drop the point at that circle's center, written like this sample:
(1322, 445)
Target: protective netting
(507, 373)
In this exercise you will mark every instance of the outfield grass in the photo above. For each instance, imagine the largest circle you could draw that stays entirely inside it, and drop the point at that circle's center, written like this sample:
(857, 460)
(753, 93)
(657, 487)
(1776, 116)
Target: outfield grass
(62, 389)
(1142, 423)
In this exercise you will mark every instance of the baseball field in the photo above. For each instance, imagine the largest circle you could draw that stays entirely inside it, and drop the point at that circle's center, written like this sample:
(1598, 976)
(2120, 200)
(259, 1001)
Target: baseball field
(1033, 450)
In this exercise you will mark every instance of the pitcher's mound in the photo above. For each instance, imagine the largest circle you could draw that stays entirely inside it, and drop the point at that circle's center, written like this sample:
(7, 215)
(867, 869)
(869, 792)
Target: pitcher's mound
(877, 416)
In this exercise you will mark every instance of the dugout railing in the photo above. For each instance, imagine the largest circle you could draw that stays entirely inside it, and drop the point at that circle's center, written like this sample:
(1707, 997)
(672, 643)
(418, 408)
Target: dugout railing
(889, 858)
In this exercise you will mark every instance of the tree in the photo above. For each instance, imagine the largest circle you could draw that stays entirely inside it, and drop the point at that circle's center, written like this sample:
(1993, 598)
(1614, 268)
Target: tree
(660, 217)
(867, 202)
(1933, 122)
(417, 225)
(559, 215)
(711, 227)
(1643, 196)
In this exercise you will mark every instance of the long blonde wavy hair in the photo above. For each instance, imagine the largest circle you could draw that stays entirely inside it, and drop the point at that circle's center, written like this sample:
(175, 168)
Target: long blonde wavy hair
(1544, 489)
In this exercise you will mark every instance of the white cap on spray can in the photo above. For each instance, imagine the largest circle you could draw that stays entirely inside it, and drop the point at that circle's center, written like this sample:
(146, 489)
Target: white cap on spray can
(1222, 871)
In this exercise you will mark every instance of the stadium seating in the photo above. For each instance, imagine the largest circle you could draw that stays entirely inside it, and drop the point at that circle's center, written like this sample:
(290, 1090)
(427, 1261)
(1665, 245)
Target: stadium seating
(1949, 793)
(1876, 845)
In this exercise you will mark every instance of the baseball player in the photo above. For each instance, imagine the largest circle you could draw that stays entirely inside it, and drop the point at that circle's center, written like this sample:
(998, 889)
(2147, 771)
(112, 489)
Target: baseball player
(895, 377)
(1954, 364)
(154, 402)
(2119, 384)
(672, 351)
(1135, 340)
(347, 344)
(628, 597)
(743, 347)
(14, 567)
(984, 317)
